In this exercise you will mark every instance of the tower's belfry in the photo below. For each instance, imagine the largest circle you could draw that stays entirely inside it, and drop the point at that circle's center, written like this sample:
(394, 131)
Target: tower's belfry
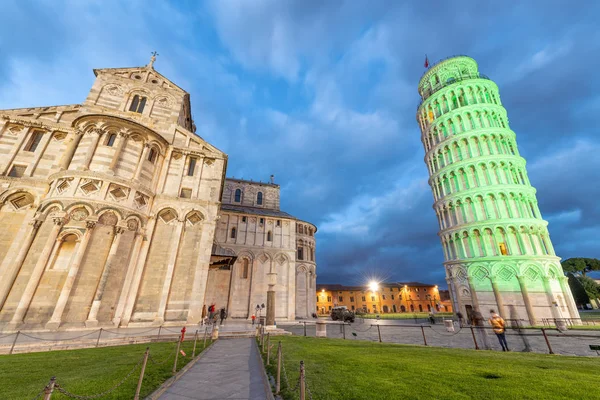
(497, 249)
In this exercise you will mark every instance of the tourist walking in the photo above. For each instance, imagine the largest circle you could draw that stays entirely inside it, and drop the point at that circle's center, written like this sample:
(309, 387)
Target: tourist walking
(498, 325)
(222, 315)
(253, 319)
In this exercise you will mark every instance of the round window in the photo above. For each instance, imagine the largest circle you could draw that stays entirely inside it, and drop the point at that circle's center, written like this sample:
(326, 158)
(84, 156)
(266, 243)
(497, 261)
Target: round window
(138, 77)
(154, 81)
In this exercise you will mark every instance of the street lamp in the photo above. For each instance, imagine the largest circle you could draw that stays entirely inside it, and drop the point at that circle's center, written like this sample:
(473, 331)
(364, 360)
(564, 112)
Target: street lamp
(374, 287)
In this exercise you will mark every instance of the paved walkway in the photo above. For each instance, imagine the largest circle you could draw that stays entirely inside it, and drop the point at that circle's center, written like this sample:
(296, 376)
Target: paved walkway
(230, 369)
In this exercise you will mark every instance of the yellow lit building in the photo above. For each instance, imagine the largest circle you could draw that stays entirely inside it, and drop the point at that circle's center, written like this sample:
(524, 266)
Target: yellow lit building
(396, 297)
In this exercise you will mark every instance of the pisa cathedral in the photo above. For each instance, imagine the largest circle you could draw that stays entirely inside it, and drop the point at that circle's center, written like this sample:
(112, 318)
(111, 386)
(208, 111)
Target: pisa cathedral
(115, 213)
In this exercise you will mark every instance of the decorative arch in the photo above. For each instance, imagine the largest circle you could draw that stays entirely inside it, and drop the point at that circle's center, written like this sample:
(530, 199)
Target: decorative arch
(168, 215)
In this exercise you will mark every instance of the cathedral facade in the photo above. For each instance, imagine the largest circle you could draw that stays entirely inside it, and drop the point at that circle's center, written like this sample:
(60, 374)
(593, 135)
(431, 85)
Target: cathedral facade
(115, 213)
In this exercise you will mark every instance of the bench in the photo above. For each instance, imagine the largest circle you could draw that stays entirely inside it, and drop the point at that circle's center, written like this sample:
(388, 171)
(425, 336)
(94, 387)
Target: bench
(595, 347)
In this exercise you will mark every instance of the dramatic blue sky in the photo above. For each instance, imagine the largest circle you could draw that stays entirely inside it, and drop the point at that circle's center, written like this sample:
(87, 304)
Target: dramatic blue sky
(323, 95)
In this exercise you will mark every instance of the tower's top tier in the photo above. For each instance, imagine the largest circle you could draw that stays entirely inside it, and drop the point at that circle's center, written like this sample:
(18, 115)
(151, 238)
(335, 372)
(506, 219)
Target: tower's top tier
(446, 72)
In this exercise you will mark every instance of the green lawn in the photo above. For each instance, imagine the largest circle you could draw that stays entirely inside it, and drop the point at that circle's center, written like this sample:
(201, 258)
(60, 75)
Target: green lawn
(405, 315)
(90, 371)
(339, 369)
(592, 314)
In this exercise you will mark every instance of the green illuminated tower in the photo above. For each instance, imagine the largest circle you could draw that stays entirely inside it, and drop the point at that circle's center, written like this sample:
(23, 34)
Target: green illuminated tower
(498, 254)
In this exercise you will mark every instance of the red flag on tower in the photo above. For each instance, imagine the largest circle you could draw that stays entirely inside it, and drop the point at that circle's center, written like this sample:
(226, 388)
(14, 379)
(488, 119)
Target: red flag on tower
(426, 62)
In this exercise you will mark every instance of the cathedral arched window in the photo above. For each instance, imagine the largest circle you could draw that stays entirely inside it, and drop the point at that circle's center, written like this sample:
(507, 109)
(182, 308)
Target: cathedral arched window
(137, 104)
(245, 269)
(233, 233)
(269, 236)
(259, 198)
(152, 155)
(110, 140)
(238, 196)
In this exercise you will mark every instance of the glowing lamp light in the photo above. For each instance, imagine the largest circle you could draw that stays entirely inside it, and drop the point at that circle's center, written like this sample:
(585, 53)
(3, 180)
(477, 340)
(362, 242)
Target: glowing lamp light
(373, 286)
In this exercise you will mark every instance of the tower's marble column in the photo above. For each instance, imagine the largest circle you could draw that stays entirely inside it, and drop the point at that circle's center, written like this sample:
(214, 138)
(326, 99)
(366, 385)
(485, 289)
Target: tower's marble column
(140, 164)
(526, 300)
(91, 149)
(38, 154)
(498, 297)
(15, 150)
(121, 141)
(564, 286)
(137, 244)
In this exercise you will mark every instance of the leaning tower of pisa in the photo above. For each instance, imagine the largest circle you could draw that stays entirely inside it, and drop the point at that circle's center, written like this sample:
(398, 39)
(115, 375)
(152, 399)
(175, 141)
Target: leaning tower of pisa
(497, 249)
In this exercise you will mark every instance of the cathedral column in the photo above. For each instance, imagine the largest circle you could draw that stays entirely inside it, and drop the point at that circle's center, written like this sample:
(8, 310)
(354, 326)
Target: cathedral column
(498, 297)
(37, 272)
(173, 251)
(122, 140)
(92, 319)
(128, 277)
(526, 300)
(250, 304)
(75, 138)
(164, 171)
(38, 154)
(91, 149)
(453, 295)
(137, 275)
(564, 286)
(20, 246)
(65, 292)
(140, 164)
(15, 150)
(201, 271)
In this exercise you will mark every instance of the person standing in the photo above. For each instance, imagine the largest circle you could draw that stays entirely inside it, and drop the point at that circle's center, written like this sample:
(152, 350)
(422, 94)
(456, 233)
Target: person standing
(498, 325)
(461, 319)
(253, 319)
(222, 315)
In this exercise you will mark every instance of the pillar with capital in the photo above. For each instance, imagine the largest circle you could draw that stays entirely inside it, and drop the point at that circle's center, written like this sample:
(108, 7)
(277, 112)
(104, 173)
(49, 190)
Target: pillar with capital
(92, 148)
(526, 299)
(272, 278)
(173, 251)
(92, 319)
(65, 292)
(73, 141)
(37, 272)
(498, 297)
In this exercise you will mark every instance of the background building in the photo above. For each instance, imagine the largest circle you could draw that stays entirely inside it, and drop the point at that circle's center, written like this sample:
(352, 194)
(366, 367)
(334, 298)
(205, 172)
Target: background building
(497, 249)
(109, 211)
(398, 297)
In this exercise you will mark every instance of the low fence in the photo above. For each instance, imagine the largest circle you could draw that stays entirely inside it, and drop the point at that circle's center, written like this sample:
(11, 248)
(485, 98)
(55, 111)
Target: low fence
(25, 341)
(54, 385)
(299, 388)
(519, 338)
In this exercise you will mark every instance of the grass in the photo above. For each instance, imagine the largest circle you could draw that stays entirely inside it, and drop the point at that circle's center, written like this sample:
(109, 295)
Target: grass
(90, 371)
(593, 314)
(338, 369)
(405, 315)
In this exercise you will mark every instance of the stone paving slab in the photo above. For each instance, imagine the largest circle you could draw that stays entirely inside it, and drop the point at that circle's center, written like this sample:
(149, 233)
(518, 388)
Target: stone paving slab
(230, 369)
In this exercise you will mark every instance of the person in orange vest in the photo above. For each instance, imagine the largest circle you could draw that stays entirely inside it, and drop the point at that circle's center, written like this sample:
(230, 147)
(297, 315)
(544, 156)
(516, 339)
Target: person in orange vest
(498, 325)
(253, 319)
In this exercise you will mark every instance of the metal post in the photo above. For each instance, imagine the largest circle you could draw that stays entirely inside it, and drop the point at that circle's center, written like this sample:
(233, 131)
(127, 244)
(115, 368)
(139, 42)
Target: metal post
(176, 356)
(344, 329)
(159, 329)
(99, 334)
(423, 332)
(195, 340)
(14, 342)
(278, 383)
(474, 340)
(268, 349)
(379, 333)
(304, 328)
(263, 340)
(205, 333)
(302, 382)
(139, 385)
(49, 388)
(547, 341)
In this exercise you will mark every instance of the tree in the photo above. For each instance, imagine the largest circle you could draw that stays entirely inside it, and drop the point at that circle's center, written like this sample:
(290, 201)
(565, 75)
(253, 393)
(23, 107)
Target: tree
(581, 265)
(579, 294)
(591, 287)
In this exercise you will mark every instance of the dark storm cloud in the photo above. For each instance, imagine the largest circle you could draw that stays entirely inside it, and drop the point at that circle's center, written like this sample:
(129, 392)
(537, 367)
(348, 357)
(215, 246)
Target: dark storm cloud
(323, 95)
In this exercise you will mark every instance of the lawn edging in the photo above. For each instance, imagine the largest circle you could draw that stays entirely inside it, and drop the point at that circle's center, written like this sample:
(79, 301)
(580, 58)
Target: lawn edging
(169, 382)
(267, 385)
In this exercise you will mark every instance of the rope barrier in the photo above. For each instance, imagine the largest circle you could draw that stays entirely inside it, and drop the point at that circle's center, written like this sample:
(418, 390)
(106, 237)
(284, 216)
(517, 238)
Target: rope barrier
(168, 358)
(130, 333)
(59, 340)
(10, 334)
(456, 332)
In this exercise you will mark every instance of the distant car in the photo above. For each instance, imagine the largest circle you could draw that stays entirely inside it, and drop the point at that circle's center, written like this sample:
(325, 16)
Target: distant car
(341, 313)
